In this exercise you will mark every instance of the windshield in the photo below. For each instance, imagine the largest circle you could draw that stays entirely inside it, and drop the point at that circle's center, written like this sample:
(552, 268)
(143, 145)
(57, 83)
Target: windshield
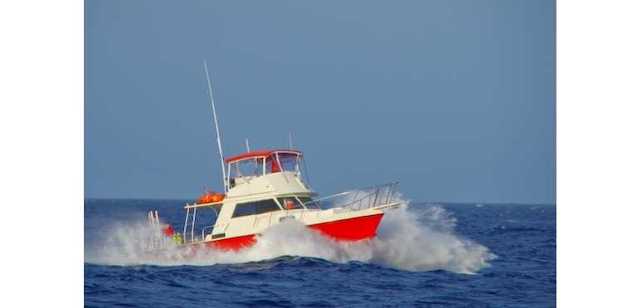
(248, 167)
(273, 163)
(288, 162)
(290, 203)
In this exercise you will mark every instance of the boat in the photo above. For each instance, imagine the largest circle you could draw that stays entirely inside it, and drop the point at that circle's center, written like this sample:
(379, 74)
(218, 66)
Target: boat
(264, 188)
(267, 187)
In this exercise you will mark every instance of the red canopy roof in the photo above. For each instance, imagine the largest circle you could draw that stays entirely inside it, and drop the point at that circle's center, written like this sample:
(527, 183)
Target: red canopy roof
(258, 154)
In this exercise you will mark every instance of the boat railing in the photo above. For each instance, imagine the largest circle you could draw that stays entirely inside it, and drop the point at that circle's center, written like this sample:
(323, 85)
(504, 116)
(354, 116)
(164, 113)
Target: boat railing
(191, 229)
(359, 199)
(204, 231)
(191, 235)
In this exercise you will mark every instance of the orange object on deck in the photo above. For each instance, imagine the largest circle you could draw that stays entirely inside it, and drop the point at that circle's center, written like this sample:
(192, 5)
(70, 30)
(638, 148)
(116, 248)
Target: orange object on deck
(210, 197)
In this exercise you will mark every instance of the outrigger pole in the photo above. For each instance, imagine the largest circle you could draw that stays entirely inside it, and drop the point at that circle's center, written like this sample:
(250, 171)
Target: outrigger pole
(215, 121)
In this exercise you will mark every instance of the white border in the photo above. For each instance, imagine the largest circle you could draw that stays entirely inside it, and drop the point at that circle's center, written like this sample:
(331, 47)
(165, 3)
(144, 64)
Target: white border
(41, 132)
(598, 153)
(41, 160)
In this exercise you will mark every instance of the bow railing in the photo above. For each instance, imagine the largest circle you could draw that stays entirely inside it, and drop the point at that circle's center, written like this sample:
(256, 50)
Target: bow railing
(359, 199)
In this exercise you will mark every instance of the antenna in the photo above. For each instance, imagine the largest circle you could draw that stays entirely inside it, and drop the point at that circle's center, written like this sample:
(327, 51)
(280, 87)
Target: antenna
(246, 144)
(290, 140)
(215, 121)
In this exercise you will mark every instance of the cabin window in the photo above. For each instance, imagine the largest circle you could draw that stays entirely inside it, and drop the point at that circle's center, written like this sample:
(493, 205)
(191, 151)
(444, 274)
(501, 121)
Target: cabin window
(247, 167)
(255, 208)
(290, 203)
(289, 162)
(272, 165)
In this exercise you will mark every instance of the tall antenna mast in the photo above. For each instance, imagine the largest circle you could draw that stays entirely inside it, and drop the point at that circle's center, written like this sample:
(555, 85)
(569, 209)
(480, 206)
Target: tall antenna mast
(246, 144)
(215, 121)
(290, 140)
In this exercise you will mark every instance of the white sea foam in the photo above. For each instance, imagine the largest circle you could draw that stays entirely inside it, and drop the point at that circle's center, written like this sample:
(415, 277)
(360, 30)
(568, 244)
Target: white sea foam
(415, 240)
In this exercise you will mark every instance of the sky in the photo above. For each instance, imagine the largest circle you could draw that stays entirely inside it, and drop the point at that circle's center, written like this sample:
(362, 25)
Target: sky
(455, 99)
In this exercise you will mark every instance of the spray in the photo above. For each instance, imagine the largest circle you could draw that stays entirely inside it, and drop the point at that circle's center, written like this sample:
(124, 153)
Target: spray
(421, 239)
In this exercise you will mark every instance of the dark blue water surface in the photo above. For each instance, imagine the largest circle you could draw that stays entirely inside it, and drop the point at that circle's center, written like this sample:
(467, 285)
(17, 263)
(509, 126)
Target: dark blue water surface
(521, 274)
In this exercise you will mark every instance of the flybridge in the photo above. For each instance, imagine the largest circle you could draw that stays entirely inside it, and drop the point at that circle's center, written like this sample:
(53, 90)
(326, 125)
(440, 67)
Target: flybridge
(263, 162)
(265, 171)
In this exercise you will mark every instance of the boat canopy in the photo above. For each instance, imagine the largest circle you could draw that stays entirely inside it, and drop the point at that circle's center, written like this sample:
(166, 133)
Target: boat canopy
(261, 154)
(261, 162)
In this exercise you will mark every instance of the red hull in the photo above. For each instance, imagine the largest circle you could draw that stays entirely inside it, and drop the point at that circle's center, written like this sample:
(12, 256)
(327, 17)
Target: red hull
(352, 229)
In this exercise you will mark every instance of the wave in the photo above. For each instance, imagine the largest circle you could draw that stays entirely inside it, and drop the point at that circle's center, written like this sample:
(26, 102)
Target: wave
(421, 239)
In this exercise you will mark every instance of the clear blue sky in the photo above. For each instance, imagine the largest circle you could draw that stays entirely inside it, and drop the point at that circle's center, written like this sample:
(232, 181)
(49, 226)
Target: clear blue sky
(454, 99)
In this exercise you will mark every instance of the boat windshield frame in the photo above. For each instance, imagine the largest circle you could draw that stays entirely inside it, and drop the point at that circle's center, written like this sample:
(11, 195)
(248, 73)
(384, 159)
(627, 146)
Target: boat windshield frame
(262, 163)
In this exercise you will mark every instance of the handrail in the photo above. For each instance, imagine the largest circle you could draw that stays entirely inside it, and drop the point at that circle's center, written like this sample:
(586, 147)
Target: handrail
(204, 229)
(359, 190)
(199, 205)
(361, 198)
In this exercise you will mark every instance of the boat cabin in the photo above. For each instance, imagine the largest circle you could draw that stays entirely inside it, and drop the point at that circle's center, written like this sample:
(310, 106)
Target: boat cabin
(256, 183)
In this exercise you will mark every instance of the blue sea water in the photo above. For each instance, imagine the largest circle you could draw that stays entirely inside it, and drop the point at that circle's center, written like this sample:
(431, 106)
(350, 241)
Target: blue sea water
(432, 255)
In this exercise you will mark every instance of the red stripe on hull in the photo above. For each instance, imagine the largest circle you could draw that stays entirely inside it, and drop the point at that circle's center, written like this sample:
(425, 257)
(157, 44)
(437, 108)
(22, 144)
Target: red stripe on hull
(234, 243)
(351, 229)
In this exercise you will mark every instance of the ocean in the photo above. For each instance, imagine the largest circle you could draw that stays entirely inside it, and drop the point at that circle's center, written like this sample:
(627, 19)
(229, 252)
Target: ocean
(426, 254)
